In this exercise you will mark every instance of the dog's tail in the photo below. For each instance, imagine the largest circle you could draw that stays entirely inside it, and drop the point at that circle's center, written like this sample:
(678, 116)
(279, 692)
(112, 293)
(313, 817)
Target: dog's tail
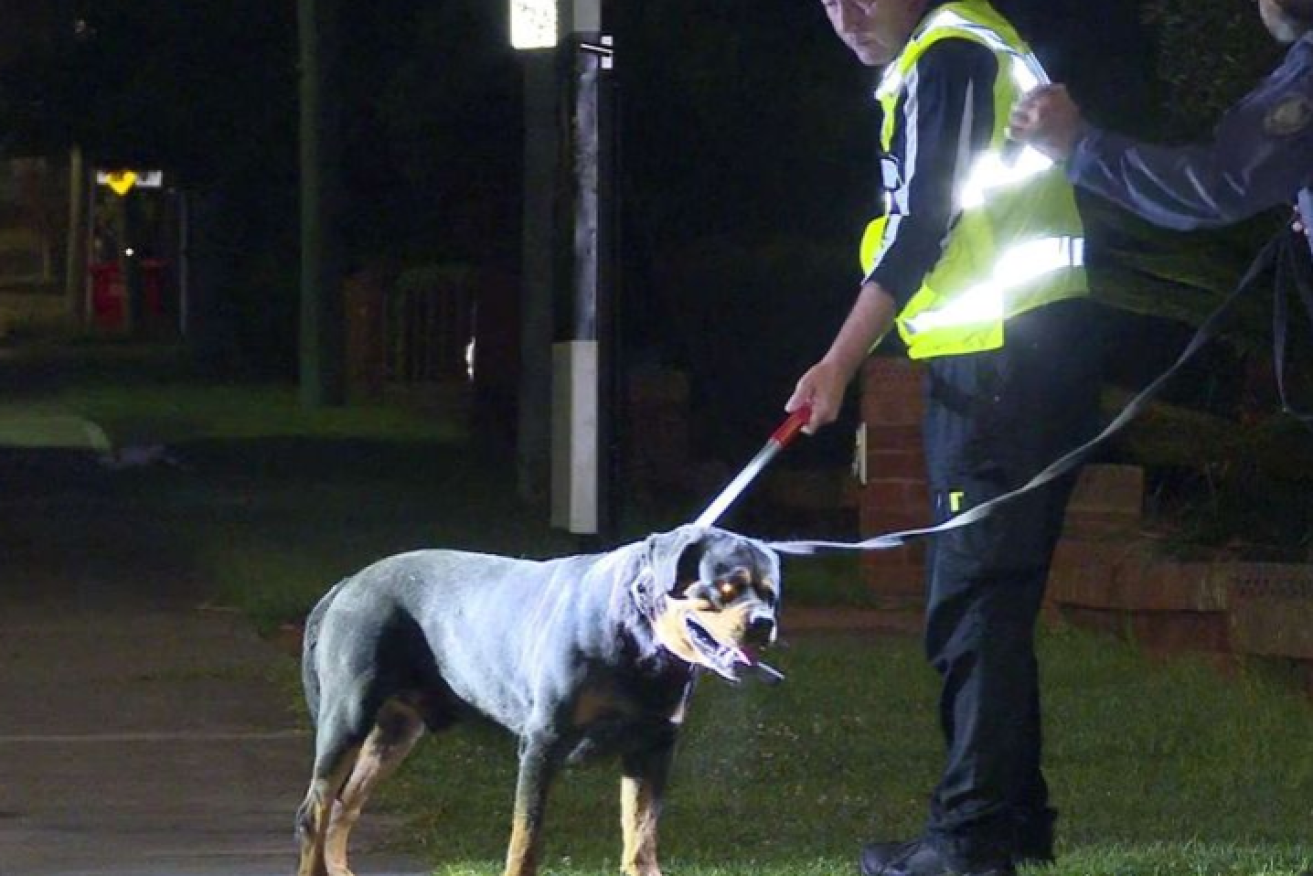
(309, 643)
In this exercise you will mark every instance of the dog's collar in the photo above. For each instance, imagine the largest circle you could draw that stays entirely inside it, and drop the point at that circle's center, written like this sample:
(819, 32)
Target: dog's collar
(642, 590)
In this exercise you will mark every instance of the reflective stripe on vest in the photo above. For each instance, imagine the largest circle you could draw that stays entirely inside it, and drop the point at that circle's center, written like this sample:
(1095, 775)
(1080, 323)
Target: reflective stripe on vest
(1016, 267)
(1017, 241)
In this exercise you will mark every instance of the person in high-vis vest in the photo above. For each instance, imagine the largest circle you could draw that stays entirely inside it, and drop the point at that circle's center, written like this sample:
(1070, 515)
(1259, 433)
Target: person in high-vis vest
(1260, 155)
(977, 258)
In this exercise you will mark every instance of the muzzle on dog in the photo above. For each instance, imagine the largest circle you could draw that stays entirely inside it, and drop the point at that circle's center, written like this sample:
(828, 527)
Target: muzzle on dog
(719, 640)
(715, 610)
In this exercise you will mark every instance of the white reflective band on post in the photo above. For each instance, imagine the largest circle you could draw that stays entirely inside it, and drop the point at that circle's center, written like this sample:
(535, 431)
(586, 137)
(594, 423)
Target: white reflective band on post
(992, 171)
(1018, 266)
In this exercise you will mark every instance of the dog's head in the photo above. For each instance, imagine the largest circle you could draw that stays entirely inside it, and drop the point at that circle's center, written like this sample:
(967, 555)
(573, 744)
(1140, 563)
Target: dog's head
(711, 595)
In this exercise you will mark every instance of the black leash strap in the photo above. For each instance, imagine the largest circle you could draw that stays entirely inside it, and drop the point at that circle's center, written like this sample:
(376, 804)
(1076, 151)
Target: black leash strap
(1280, 251)
(1293, 275)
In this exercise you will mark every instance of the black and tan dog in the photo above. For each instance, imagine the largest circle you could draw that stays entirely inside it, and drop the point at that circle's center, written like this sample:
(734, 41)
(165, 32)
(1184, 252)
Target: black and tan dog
(575, 656)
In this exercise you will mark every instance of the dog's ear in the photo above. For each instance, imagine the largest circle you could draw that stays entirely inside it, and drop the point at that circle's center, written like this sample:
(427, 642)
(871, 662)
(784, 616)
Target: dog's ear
(672, 558)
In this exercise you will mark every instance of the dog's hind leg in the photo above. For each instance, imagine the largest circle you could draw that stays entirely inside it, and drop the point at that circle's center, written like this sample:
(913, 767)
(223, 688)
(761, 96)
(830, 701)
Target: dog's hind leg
(642, 788)
(396, 730)
(313, 817)
(336, 749)
(539, 760)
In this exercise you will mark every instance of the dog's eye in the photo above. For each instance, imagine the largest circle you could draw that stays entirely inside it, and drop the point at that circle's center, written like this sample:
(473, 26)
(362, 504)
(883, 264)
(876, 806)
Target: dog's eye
(729, 590)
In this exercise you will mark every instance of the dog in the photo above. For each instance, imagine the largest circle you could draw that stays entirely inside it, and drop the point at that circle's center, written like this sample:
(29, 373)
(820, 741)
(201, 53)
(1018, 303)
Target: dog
(583, 655)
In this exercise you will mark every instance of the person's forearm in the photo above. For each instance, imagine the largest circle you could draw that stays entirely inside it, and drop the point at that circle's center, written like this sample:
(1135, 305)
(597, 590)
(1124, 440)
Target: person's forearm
(1183, 188)
(870, 320)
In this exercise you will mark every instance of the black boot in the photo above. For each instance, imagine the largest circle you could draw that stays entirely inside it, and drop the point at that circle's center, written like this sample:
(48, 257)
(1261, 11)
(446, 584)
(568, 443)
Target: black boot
(1034, 838)
(925, 857)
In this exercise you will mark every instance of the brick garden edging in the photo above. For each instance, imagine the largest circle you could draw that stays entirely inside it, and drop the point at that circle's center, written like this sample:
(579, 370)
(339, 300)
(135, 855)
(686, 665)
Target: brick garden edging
(1107, 574)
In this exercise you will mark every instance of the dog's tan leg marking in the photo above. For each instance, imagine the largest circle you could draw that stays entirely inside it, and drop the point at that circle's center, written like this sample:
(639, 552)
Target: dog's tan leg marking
(537, 768)
(312, 816)
(639, 813)
(318, 807)
(642, 789)
(520, 857)
(397, 730)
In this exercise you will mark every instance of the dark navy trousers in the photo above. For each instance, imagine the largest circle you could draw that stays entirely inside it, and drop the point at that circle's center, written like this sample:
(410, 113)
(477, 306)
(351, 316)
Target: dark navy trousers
(993, 420)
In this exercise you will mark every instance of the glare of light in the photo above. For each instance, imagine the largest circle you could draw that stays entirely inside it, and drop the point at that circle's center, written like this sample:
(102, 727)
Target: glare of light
(469, 359)
(533, 24)
(1016, 267)
(129, 252)
(992, 171)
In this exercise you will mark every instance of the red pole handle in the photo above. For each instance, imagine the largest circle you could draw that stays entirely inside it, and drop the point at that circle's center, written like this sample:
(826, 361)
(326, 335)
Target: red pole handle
(790, 428)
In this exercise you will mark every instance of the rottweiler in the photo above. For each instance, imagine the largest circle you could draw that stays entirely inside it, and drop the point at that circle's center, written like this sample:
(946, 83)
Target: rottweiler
(576, 656)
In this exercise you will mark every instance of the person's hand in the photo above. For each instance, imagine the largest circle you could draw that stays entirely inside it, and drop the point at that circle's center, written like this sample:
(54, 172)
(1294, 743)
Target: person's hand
(822, 389)
(1048, 120)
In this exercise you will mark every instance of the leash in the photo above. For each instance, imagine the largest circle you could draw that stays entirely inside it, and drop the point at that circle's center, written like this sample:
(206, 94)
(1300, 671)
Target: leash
(1293, 272)
(779, 439)
(1279, 251)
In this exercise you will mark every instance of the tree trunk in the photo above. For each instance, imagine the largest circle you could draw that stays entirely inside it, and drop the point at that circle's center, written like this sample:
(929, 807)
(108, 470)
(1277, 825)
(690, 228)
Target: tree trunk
(75, 264)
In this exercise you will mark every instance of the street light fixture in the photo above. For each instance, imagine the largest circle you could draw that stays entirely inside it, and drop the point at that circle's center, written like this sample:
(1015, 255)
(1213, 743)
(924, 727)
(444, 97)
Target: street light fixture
(534, 24)
(540, 24)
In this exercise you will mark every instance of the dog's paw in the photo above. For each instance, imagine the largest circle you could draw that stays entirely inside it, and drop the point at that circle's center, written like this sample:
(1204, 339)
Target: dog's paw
(642, 870)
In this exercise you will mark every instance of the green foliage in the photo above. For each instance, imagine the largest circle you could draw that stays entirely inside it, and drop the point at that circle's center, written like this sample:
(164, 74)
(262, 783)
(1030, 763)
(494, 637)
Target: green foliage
(1242, 486)
(1210, 52)
(1142, 269)
(1242, 475)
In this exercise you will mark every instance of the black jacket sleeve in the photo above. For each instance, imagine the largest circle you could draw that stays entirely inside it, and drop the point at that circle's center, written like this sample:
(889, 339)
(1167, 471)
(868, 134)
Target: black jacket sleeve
(945, 120)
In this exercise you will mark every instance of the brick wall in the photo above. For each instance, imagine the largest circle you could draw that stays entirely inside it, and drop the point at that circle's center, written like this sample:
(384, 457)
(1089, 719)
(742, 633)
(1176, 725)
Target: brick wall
(894, 495)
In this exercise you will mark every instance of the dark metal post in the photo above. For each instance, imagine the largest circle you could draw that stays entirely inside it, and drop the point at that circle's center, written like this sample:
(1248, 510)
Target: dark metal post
(610, 371)
(79, 216)
(582, 355)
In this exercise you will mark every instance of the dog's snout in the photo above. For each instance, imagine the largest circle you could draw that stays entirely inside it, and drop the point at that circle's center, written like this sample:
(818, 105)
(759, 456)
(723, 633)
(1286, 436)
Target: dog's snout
(761, 629)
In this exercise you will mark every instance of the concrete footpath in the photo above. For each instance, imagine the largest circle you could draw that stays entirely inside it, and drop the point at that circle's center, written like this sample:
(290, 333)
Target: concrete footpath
(140, 733)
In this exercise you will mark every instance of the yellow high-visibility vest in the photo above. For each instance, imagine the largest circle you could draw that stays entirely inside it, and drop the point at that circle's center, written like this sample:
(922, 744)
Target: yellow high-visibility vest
(1018, 241)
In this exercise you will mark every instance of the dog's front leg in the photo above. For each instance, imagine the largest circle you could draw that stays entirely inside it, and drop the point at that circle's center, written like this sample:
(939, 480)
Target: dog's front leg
(539, 760)
(642, 787)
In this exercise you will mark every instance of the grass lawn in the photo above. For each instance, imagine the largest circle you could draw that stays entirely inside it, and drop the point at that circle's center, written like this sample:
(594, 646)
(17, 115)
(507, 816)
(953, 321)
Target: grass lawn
(1158, 769)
